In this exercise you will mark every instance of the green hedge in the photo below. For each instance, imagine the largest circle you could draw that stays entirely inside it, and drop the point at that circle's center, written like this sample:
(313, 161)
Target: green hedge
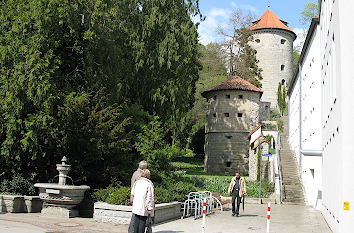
(177, 190)
(18, 185)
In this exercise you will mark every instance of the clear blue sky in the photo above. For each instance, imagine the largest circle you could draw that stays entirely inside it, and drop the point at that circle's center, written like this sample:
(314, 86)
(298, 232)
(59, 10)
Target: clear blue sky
(217, 12)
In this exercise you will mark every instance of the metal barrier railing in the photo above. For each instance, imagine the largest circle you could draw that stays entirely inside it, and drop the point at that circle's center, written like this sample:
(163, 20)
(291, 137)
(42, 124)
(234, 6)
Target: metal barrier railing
(194, 204)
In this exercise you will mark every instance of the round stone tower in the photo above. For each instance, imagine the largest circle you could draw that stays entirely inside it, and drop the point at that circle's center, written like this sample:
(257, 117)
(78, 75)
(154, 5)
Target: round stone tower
(232, 112)
(273, 40)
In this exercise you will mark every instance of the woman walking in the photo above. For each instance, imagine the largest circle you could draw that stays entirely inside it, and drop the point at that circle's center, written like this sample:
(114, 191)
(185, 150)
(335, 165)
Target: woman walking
(143, 200)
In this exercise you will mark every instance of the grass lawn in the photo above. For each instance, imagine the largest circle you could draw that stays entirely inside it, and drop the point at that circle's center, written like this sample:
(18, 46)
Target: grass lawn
(218, 182)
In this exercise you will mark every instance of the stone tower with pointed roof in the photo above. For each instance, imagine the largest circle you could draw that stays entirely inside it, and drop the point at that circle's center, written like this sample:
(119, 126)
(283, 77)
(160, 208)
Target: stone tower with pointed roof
(232, 113)
(273, 40)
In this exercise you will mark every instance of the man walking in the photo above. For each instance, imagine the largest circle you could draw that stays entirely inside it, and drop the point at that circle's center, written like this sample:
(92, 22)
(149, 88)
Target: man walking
(136, 175)
(237, 189)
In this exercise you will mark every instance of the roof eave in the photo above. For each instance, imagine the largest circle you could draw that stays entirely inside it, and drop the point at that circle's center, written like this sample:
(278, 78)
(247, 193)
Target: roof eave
(225, 89)
(314, 23)
(282, 29)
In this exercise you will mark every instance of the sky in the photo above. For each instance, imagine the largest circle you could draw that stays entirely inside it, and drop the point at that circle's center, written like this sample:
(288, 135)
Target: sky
(217, 13)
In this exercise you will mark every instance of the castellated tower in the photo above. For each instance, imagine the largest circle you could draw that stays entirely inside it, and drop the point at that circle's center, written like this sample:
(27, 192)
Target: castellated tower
(273, 40)
(232, 113)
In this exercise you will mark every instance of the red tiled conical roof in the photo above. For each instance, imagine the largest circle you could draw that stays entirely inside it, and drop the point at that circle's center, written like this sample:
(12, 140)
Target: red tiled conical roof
(270, 20)
(233, 83)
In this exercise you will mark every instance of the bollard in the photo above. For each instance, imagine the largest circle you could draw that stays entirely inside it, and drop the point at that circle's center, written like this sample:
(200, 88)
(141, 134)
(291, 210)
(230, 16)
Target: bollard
(204, 210)
(268, 217)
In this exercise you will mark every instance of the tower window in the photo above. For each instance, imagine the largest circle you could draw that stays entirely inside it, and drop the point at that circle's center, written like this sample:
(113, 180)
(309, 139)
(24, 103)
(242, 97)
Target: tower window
(258, 40)
(227, 96)
(240, 96)
(228, 137)
(282, 41)
(282, 81)
(239, 114)
(214, 115)
(282, 67)
(227, 114)
(228, 164)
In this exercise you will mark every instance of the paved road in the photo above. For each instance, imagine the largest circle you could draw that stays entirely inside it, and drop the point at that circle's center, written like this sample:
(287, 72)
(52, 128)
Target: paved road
(284, 219)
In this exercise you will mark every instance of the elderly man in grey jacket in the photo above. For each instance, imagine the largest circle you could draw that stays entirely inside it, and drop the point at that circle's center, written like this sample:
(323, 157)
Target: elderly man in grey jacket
(136, 175)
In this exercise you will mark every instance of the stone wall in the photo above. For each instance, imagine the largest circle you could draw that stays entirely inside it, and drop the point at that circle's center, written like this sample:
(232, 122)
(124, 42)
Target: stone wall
(20, 204)
(120, 214)
(231, 115)
(272, 55)
(242, 108)
(226, 152)
(264, 111)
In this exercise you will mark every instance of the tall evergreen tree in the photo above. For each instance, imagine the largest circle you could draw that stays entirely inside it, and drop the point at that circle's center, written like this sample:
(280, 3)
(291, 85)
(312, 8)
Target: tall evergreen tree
(72, 71)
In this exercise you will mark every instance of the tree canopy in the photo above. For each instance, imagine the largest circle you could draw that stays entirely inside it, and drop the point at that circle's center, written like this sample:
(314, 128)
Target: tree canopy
(310, 11)
(241, 56)
(81, 78)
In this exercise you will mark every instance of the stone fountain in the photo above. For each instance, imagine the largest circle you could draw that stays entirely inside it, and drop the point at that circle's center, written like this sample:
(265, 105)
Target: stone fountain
(61, 199)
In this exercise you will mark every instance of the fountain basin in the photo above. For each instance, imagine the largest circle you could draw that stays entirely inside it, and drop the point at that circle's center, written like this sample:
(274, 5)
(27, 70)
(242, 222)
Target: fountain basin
(63, 195)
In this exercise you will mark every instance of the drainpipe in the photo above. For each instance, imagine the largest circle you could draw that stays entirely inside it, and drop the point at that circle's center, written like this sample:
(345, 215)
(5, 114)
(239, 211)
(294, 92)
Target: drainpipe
(300, 119)
(311, 152)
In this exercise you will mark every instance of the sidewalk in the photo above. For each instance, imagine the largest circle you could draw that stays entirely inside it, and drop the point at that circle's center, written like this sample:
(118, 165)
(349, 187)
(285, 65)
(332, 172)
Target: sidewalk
(35, 223)
(284, 219)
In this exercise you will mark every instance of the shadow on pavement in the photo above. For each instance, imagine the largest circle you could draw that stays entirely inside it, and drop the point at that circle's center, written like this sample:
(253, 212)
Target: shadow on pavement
(169, 231)
(248, 215)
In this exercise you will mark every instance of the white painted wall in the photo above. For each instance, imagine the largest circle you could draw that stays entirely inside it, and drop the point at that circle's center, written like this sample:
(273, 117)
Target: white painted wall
(329, 127)
(337, 59)
(310, 127)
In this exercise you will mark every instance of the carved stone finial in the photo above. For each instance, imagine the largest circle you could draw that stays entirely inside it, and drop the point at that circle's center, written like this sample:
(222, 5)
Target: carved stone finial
(64, 160)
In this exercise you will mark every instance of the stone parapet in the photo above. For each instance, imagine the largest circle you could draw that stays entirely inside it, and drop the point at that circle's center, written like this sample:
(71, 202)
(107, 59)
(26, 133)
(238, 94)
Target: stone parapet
(121, 214)
(20, 204)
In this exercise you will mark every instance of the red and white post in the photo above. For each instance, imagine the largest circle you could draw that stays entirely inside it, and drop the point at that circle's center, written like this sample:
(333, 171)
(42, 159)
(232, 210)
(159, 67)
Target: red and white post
(204, 213)
(268, 217)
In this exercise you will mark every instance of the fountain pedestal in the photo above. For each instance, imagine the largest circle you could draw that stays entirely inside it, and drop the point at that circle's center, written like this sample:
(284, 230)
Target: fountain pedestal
(60, 200)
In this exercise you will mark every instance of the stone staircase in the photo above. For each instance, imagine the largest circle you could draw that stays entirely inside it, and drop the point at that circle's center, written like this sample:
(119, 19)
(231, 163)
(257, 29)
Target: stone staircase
(292, 186)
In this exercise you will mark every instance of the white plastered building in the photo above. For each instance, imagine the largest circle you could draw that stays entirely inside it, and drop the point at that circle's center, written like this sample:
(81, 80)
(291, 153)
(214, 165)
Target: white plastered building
(329, 48)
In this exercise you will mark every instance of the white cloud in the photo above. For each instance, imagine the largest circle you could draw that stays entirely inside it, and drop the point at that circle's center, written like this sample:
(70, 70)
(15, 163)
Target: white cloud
(234, 5)
(300, 39)
(207, 29)
(249, 8)
(218, 17)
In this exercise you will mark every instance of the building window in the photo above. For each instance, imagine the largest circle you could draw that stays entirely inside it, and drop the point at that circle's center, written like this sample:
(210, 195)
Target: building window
(282, 67)
(228, 164)
(214, 115)
(282, 41)
(227, 96)
(312, 172)
(227, 114)
(239, 114)
(228, 137)
(282, 81)
(258, 40)
(240, 96)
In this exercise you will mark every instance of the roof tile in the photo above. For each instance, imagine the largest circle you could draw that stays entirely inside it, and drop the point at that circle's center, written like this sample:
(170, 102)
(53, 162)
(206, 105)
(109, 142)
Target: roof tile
(270, 20)
(233, 83)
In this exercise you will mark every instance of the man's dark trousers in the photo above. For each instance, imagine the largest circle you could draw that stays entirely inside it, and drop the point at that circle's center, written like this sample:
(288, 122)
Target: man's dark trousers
(236, 198)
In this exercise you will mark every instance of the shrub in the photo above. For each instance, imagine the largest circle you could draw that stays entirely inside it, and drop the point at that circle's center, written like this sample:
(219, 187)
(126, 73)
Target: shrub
(253, 188)
(120, 195)
(162, 195)
(180, 190)
(114, 195)
(220, 185)
(18, 185)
